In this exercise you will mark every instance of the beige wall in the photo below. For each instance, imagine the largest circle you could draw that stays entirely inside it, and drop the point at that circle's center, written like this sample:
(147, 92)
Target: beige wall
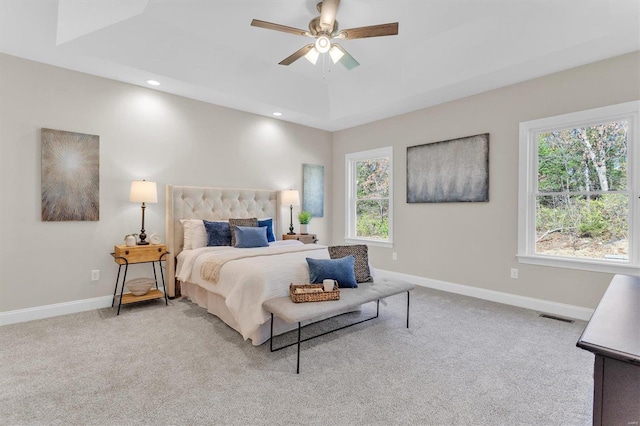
(169, 139)
(475, 244)
(144, 134)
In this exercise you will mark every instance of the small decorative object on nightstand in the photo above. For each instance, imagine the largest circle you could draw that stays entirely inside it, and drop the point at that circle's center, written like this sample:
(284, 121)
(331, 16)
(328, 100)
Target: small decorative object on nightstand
(304, 238)
(125, 255)
(304, 217)
(130, 240)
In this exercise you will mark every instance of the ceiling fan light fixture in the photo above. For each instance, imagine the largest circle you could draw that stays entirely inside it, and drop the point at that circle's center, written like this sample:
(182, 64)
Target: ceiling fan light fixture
(336, 54)
(323, 44)
(312, 56)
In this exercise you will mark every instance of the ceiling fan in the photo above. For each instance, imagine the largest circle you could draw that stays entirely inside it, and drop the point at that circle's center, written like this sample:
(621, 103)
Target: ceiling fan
(324, 29)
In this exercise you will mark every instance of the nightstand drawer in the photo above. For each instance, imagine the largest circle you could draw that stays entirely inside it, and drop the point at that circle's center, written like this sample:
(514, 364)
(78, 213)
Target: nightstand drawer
(137, 254)
(303, 238)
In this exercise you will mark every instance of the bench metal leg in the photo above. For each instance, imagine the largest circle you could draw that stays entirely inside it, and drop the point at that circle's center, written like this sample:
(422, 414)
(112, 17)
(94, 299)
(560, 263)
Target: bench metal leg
(407, 309)
(298, 362)
(271, 338)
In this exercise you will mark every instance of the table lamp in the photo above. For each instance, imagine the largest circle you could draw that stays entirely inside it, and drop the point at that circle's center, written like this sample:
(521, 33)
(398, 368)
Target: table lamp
(143, 192)
(290, 198)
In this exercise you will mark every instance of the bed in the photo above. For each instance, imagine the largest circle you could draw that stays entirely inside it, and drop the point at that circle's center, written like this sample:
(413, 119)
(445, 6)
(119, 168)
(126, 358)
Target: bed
(238, 280)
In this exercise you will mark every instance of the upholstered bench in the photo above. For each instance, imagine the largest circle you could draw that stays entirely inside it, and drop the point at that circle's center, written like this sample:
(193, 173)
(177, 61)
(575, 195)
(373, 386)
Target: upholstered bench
(350, 299)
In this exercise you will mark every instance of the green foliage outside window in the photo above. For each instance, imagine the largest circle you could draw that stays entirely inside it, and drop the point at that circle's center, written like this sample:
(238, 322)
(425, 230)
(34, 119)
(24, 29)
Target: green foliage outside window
(372, 198)
(582, 203)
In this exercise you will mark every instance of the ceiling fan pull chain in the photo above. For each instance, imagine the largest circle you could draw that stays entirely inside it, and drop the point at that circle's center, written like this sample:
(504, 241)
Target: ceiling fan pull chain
(324, 75)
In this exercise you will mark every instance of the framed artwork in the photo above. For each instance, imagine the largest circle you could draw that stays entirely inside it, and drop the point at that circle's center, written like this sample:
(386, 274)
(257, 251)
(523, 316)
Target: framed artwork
(70, 176)
(455, 170)
(313, 189)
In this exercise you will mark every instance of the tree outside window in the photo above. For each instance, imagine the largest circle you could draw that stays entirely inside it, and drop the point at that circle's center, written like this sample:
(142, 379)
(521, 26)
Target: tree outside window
(582, 204)
(369, 200)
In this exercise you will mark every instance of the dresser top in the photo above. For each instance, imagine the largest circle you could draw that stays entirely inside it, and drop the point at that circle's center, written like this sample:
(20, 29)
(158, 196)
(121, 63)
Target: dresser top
(614, 328)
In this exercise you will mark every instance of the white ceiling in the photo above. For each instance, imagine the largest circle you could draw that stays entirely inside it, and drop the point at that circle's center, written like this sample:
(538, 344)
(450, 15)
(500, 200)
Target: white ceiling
(206, 49)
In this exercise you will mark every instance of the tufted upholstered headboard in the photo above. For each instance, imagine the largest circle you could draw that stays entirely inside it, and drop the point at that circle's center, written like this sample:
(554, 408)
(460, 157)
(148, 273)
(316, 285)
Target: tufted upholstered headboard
(194, 202)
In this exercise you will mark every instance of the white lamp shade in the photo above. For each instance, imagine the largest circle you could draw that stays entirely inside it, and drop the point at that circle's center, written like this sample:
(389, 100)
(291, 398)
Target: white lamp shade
(290, 198)
(336, 54)
(143, 192)
(312, 56)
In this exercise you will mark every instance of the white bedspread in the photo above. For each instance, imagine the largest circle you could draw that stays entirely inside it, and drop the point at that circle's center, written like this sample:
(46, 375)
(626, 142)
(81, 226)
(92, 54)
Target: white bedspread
(245, 283)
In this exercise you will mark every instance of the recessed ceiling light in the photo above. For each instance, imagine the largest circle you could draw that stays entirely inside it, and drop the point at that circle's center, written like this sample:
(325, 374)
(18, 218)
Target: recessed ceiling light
(153, 82)
(277, 114)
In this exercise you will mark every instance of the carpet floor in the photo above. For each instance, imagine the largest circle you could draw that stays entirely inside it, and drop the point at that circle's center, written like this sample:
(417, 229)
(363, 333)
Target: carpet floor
(463, 361)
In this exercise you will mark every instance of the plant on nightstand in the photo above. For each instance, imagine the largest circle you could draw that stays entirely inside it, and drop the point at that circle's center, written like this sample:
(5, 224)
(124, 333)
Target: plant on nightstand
(304, 217)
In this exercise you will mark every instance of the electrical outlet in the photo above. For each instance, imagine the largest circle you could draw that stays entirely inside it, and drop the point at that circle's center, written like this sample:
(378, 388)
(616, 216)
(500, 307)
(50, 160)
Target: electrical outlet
(95, 275)
(514, 273)
(394, 256)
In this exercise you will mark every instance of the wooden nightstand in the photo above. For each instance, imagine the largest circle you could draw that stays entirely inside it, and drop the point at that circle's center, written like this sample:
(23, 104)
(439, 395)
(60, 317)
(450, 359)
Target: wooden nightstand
(305, 238)
(125, 256)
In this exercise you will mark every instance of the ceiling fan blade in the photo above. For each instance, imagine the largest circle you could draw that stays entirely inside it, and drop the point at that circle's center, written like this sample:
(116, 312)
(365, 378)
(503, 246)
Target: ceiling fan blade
(347, 60)
(277, 27)
(297, 55)
(328, 14)
(370, 31)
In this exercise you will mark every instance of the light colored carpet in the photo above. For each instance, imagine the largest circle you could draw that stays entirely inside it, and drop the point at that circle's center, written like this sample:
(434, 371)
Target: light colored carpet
(464, 361)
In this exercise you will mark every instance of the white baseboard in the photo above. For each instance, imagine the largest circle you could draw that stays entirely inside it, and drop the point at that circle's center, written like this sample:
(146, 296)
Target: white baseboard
(546, 306)
(39, 312)
(555, 308)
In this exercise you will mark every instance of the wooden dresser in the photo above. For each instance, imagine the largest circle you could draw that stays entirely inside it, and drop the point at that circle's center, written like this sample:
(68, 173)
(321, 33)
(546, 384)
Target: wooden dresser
(613, 335)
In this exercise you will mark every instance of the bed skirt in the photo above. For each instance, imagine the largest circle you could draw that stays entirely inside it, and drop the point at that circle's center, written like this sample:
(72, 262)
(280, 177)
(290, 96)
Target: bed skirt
(214, 304)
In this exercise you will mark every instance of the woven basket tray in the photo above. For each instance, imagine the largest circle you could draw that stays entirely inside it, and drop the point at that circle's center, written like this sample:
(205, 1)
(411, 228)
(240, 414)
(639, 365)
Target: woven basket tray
(313, 297)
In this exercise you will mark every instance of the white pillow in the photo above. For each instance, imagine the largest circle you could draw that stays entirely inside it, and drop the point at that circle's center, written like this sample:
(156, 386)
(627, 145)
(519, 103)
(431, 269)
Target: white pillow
(195, 236)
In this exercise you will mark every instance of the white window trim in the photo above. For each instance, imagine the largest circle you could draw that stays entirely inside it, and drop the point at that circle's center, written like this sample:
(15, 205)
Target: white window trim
(528, 169)
(350, 191)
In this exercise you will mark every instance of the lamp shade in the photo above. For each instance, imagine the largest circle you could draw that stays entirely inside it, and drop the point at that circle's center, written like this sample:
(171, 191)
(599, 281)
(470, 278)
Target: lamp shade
(143, 192)
(290, 198)
(312, 56)
(335, 53)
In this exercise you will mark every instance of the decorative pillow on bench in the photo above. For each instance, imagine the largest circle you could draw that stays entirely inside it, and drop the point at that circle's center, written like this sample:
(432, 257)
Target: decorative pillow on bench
(361, 254)
(333, 269)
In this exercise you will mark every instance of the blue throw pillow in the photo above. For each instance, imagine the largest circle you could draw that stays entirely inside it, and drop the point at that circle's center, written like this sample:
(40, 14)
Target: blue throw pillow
(250, 236)
(269, 224)
(334, 269)
(218, 233)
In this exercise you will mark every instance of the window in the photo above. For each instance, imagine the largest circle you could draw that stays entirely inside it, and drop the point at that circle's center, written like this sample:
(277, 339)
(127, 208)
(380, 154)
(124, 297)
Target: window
(578, 190)
(369, 197)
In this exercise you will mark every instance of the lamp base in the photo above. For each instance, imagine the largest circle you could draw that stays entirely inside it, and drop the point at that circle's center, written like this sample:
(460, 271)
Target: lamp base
(143, 243)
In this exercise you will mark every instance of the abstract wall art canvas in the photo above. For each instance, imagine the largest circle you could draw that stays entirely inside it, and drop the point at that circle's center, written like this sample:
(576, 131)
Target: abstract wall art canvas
(70, 176)
(313, 189)
(456, 170)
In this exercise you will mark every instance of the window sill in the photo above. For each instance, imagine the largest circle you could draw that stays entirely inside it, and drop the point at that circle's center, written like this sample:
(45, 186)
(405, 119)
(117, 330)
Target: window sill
(368, 241)
(611, 267)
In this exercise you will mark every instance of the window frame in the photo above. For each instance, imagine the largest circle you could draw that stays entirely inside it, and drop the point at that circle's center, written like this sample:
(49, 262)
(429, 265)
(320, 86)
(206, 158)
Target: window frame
(350, 195)
(528, 180)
